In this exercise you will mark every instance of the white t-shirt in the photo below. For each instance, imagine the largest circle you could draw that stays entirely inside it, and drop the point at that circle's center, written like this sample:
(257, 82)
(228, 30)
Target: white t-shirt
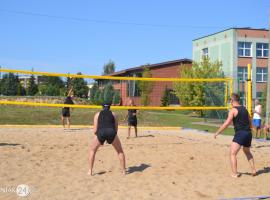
(258, 109)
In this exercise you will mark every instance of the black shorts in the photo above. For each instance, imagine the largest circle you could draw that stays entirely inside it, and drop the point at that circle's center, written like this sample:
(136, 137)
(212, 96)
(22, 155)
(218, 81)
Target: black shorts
(65, 112)
(243, 138)
(132, 122)
(106, 134)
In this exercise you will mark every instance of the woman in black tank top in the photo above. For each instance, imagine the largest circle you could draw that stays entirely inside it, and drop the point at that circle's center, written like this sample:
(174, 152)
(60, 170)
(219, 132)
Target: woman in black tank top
(105, 129)
(243, 137)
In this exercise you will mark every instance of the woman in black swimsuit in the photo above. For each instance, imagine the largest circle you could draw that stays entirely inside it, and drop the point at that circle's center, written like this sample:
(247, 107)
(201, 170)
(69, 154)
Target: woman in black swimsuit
(105, 129)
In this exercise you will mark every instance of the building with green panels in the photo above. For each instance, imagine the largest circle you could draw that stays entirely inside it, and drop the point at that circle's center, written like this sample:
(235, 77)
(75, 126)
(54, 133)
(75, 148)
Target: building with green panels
(235, 48)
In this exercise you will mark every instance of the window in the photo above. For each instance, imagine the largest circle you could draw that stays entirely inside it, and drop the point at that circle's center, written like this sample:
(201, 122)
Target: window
(259, 95)
(242, 98)
(261, 74)
(133, 89)
(244, 49)
(262, 50)
(242, 74)
(173, 99)
(205, 52)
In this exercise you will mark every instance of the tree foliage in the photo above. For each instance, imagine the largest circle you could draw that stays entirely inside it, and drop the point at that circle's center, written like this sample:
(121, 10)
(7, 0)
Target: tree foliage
(32, 87)
(108, 93)
(80, 87)
(10, 85)
(51, 86)
(200, 93)
(109, 68)
(165, 101)
(93, 92)
(145, 87)
(116, 98)
(263, 101)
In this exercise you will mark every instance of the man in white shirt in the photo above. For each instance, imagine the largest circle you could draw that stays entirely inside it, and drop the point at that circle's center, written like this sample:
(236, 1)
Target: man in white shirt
(257, 119)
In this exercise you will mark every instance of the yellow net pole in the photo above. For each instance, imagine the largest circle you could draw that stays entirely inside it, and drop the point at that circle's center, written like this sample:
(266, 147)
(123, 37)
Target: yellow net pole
(226, 94)
(249, 90)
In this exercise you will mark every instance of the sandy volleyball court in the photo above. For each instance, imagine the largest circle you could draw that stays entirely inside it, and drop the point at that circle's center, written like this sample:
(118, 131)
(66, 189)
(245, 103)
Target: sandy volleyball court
(169, 164)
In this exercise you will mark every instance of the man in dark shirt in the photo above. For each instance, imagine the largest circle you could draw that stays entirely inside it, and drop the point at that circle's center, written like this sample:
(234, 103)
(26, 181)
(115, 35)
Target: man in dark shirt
(132, 119)
(66, 110)
(243, 136)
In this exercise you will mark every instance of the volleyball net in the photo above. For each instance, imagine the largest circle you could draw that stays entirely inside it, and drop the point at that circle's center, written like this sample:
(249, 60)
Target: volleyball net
(30, 97)
(91, 91)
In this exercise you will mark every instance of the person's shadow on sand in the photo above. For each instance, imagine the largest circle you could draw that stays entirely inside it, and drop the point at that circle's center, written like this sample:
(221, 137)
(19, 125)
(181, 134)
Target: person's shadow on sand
(265, 170)
(139, 168)
(8, 144)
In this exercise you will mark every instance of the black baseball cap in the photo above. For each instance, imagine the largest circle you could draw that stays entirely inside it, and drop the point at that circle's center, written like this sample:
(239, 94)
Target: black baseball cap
(106, 104)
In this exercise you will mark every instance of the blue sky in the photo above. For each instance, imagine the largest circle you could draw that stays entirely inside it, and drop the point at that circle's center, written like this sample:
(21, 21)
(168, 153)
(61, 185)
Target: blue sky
(82, 35)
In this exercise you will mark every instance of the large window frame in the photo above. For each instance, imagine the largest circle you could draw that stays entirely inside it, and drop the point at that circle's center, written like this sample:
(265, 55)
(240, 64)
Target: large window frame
(242, 73)
(205, 52)
(262, 50)
(133, 89)
(244, 49)
(261, 74)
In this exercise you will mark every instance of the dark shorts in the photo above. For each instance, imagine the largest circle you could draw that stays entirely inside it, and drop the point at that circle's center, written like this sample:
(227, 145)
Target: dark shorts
(243, 138)
(65, 112)
(132, 122)
(106, 134)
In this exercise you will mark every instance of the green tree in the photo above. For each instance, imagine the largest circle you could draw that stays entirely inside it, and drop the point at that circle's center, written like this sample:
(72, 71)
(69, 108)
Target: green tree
(165, 101)
(50, 85)
(80, 87)
(10, 85)
(97, 93)
(108, 93)
(101, 97)
(116, 98)
(21, 91)
(263, 101)
(109, 68)
(32, 87)
(145, 87)
(200, 93)
(93, 92)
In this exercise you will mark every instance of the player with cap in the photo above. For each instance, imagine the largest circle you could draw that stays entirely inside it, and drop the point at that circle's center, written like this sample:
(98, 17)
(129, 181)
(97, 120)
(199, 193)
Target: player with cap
(105, 129)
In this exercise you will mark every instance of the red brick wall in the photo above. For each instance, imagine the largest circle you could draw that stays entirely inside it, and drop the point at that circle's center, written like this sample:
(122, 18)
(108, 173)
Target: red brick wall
(166, 71)
(252, 33)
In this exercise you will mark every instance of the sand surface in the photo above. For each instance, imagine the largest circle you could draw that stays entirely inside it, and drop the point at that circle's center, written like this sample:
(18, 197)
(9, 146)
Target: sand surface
(162, 164)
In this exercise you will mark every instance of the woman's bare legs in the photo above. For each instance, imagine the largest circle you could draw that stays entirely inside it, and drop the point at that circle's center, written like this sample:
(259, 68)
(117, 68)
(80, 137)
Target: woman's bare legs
(63, 121)
(136, 131)
(68, 122)
(129, 127)
(118, 147)
(92, 152)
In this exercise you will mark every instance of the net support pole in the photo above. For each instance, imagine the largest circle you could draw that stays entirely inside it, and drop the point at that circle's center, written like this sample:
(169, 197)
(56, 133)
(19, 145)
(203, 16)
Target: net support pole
(267, 117)
(249, 90)
(226, 94)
